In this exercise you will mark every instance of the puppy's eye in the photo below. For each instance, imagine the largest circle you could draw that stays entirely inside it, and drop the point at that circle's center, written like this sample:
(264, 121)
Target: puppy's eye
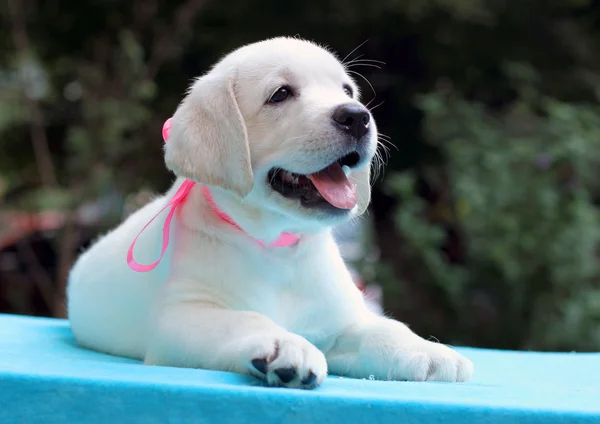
(348, 90)
(282, 93)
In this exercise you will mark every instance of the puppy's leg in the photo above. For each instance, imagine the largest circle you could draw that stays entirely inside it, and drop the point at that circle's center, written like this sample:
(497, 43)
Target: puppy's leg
(389, 350)
(194, 335)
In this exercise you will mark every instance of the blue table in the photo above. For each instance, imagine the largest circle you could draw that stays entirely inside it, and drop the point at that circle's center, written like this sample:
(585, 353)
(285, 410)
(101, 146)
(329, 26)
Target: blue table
(46, 378)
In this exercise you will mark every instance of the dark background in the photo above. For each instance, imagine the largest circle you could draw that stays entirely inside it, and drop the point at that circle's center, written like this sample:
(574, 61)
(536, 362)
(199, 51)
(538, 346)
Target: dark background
(484, 228)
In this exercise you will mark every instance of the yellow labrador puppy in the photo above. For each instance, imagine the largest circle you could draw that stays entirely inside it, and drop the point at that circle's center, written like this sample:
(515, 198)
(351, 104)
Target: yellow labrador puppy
(271, 148)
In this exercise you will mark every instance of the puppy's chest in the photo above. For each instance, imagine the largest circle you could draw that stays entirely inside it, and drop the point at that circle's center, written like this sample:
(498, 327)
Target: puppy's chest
(301, 300)
(308, 317)
(302, 293)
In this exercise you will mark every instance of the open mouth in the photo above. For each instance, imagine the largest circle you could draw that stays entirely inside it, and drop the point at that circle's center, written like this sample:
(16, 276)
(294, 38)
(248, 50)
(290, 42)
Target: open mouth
(327, 187)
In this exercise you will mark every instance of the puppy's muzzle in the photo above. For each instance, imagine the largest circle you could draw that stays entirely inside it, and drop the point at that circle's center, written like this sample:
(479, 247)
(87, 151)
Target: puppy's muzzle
(352, 119)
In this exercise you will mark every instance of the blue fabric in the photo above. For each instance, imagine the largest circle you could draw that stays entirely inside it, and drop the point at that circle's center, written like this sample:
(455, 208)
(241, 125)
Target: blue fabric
(46, 378)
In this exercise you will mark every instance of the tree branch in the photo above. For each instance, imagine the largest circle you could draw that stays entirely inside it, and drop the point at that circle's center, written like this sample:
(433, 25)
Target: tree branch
(43, 158)
(37, 273)
(67, 248)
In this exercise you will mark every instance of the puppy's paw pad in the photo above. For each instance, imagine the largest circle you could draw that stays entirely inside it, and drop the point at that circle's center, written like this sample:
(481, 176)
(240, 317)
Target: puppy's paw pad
(260, 365)
(310, 379)
(286, 375)
(294, 362)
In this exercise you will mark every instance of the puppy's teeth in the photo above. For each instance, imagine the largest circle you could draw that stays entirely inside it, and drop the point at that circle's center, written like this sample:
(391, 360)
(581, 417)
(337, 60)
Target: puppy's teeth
(295, 181)
(346, 170)
(288, 177)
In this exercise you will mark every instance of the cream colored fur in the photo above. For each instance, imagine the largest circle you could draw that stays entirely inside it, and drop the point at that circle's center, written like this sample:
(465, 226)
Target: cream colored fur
(218, 301)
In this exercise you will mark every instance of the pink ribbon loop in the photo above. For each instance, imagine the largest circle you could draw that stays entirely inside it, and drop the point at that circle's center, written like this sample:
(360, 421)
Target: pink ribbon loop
(175, 201)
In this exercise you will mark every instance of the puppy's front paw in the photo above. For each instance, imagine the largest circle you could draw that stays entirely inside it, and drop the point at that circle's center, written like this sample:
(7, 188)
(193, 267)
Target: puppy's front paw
(288, 361)
(428, 361)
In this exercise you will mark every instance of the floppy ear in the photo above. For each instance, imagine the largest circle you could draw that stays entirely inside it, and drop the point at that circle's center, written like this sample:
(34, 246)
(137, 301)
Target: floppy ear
(208, 141)
(362, 179)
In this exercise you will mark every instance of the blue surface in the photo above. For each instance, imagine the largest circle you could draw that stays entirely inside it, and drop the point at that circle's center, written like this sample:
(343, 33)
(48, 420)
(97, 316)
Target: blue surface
(46, 378)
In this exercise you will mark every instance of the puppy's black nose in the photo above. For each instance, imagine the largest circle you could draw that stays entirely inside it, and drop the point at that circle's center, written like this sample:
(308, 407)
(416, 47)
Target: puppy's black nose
(352, 118)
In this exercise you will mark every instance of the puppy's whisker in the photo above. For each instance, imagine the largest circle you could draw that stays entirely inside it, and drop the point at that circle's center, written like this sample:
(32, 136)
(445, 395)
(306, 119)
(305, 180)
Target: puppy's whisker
(364, 78)
(378, 166)
(384, 159)
(355, 49)
(385, 149)
(356, 219)
(359, 60)
(377, 105)
(355, 64)
(370, 101)
(388, 145)
(383, 154)
(364, 62)
(386, 142)
(354, 60)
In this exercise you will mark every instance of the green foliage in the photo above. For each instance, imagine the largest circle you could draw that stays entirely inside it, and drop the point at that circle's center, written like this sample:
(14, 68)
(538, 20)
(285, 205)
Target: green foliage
(520, 187)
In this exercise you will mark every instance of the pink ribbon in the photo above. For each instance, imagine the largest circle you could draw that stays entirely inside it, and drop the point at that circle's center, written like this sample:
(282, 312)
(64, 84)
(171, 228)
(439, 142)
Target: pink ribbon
(284, 239)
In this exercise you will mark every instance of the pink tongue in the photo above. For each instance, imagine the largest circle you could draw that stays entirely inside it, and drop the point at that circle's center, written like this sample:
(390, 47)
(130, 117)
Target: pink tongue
(335, 187)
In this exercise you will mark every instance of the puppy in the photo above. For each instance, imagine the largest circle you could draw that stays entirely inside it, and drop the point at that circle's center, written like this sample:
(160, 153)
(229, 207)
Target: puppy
(272, 143)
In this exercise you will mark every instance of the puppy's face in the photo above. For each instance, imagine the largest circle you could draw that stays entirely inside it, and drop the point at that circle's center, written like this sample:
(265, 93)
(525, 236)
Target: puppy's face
(280, 123)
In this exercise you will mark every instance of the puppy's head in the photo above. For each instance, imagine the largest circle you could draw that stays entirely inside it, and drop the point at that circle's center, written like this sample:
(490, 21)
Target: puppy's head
(280, 124)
